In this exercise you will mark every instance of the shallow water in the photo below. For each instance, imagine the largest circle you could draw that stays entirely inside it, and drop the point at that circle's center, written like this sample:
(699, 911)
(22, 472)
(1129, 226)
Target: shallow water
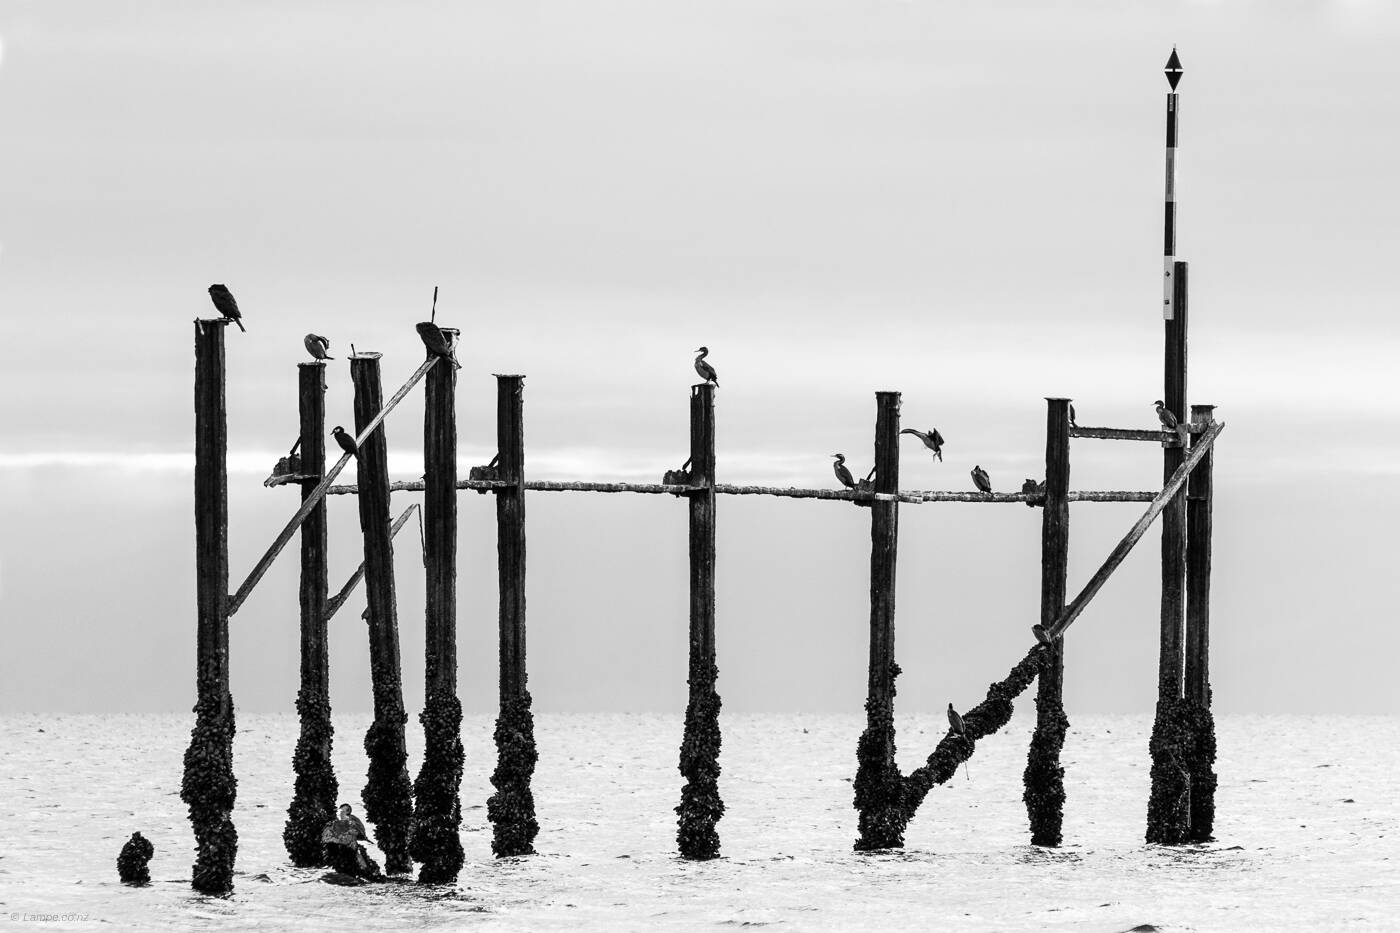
(1308, 831)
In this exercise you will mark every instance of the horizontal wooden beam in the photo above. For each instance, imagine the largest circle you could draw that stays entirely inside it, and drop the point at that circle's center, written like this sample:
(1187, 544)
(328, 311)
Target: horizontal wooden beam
(317, 494)
(338, 600)
(1133, 434)
(912, 496)
(1116, 556)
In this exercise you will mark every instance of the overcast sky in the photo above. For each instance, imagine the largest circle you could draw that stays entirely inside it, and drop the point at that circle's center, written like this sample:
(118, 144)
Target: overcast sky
(958, 201)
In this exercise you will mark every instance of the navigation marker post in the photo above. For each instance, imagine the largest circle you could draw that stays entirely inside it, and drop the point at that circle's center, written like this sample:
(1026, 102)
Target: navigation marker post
(1173, 72)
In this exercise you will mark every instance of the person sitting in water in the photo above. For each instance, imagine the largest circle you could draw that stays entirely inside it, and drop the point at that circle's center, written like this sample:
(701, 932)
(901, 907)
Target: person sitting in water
(342, 837)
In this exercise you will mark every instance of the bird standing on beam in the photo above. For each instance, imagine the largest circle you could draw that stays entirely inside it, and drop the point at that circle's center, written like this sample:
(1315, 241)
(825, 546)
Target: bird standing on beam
(1169, 422)
(436, 341)
(226, 305)
(932, 440)
(1072, 422)
(706, 371)
(981, 480)
(346, 441)
(317, 346)
(842, 473)
(955, 722)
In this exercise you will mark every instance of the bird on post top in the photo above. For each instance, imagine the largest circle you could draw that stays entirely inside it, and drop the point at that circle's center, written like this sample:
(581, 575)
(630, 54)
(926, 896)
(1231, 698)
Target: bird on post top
(436, 341)
(706, 371)
(317, 346)
(226, 305)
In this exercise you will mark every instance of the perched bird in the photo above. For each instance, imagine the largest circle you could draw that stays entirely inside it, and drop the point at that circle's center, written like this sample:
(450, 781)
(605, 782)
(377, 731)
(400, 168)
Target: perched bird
(1071, 416)
(932, 440)
(981, 480)
(436, 341)
(843, 474)
(955, 722)
(345, 440)
(1169, 422)
(706, 371)
(1041, 635)
(317, 346)
(224, 302)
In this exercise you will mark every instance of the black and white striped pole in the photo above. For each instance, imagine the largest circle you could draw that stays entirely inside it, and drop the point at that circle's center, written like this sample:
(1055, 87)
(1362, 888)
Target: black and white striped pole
(1173, 73)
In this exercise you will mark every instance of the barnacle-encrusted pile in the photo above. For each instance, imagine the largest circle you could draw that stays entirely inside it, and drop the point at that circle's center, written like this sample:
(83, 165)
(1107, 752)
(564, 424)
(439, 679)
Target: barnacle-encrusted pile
(1044, 775)
(886, 801)
(1181, 807)
(700, 807)
(209, 789)
(511, 809)
(436, 842)
(134, 861)
(388, 794)
(313, 802)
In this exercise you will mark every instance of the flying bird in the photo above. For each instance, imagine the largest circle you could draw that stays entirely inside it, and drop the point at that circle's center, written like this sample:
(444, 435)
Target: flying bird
(981, 480)
(346, 441)
(931, 438)
(436, 341)
(706, 371)
(226, 305)
(1169, 422)
(955, 722)
(317, 346)
(843, 474)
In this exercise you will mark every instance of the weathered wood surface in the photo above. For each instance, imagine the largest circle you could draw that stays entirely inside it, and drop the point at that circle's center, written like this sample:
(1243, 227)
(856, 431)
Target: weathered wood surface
(316, 790)
(1044, 775)
(309, 502)
(701, 806)
(878, 785)
(436, 836)
(440, 529)
(1134, 535)
(1127, 434)
(388, 792)
(334, 604)
(1173, 614)
(1168, 804)
(1200, 499)
(910, 497)
(311, 407)
(209, 788)
(511, 809)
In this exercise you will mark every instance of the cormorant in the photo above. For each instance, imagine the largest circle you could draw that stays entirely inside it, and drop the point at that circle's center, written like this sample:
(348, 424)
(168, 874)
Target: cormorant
(224, 302)
(1169, 422)
(843, 474)
(436, 341)
(981, 480)
(346, 441)
(955, 722)
(932, 440)
(317, 346)
(706, 371)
